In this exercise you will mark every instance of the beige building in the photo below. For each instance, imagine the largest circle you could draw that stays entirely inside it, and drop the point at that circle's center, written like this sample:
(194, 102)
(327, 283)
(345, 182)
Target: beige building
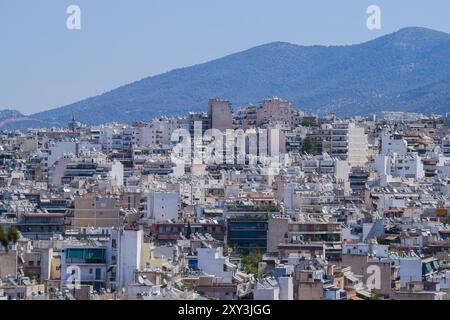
(276, 110)
(362, 265)
(8, 264)
(307, 287)
(23, 292)
(97, 212)
(220, 114)
(283, 230)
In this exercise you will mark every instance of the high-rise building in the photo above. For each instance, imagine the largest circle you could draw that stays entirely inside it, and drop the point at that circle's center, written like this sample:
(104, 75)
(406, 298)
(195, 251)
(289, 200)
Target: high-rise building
(220, 114)
(349, 142)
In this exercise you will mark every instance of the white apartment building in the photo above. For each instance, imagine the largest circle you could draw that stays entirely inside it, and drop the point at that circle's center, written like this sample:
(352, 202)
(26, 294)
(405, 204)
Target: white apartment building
(115, 137)
(403, 166)
(212, 262)
(57, 150)
(281, 288)
(410, 270)
(266, 289)
(393, 144)
(193, 192)
(162, 206)
(443, 168)
(445, 146)
(85, 263)
(409, 166)
(324, 164)
(349, 142)
(130, 249)
(68, 168)
(158, 133)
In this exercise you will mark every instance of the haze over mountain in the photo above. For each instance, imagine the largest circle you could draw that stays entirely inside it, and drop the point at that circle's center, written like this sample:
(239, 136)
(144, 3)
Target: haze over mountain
(408, 70)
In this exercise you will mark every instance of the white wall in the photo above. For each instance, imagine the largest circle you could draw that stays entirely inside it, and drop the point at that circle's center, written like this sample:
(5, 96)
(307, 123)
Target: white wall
(390, 145)
(410, 270)
(58, 149)
(358, 150)
(130, 247)
(211, 261)
(116, 173)
(286, 288)
(266, 294)
(162, 206)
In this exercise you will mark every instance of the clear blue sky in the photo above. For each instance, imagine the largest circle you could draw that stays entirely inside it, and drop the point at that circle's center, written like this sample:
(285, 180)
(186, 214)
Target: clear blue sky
(43, 65)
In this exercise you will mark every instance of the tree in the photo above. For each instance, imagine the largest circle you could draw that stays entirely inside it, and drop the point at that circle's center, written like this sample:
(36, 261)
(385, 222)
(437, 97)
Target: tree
(250, 262)
(309, 146)
(4, 238)
(308, 122)
(13, 235)
(7, 237)
(189, 230)
(374, 296)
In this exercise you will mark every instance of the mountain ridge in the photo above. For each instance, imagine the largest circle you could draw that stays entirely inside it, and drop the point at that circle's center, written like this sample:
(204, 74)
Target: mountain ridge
(408, 70)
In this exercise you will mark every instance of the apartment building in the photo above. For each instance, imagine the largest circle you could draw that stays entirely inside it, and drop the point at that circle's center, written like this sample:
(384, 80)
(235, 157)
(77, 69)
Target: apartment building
(93, 211)
(349, 142)
(284, 230)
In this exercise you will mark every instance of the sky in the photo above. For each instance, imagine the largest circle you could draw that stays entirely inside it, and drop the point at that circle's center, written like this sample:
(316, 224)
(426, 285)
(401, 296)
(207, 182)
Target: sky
(44, 65)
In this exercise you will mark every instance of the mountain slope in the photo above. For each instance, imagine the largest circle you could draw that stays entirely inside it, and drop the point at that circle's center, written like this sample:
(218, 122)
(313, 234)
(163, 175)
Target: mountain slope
(408, 70)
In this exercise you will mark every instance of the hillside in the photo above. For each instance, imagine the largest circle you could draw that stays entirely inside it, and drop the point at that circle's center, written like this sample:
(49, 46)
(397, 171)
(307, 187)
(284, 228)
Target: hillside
(408, 70)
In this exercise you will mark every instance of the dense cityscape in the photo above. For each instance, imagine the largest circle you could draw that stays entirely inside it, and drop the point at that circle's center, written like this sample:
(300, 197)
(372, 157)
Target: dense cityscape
(260, 202)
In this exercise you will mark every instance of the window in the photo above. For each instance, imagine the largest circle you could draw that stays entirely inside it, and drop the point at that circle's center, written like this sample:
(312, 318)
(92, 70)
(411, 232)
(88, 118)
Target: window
(98, 274)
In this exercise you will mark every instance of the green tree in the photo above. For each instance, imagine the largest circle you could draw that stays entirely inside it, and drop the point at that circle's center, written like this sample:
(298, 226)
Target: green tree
(13, 235)
(7, 237)
(309, 146)
(374, 296)
(4, 238)
(308, 122)
(250, 261)
(189, 230)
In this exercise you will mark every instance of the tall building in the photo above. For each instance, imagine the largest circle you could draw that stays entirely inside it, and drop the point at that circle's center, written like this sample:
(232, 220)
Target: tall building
(220, 114)
(84, 262)
(130, 250)
(349, 142)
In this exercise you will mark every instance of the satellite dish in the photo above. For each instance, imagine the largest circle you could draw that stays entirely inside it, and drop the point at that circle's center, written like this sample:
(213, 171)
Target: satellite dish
(141, 280)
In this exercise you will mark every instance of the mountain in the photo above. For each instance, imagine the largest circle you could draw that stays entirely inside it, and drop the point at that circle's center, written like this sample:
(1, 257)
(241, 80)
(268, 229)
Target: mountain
(10, 118)
(408, 70)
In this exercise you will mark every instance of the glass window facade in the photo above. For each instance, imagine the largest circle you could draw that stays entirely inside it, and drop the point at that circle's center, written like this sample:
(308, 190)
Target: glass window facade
(86, 255)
